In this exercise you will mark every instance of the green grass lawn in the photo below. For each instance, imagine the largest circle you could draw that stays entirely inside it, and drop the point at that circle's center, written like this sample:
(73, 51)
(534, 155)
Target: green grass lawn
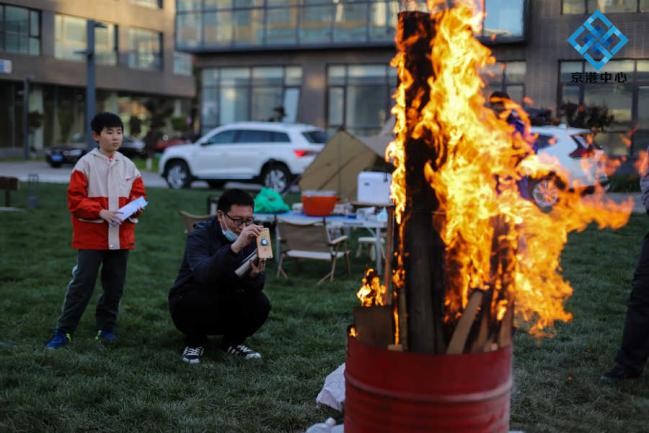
(141, 384)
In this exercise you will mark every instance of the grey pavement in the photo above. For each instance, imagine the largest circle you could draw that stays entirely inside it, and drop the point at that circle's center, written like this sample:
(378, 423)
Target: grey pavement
(47, 174)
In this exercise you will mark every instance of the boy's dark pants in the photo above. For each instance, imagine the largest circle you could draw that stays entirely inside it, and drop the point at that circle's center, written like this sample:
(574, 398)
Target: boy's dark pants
(80, 288)
(635, 341)
(198, 313)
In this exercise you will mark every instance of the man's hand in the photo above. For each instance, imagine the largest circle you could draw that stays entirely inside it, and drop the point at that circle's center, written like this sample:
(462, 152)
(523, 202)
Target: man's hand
(111, 217)
(247, 235)
(257, 267)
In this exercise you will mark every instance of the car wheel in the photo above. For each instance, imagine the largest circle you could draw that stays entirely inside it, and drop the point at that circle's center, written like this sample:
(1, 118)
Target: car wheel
(545, 193)
(178, 175)
(276, 177)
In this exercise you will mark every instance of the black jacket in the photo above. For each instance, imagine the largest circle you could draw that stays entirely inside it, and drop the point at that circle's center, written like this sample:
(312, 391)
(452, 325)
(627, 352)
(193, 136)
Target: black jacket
(209, 264)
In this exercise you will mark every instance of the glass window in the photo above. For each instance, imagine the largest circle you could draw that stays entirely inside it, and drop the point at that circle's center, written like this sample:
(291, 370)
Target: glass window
(643, 70)
(316, 137)
(293, 76)
(248, 27)
(315, 24)
(358, 97)
(291, 101)
(643, 107)
(225, 137)
(233, 103)
(281, 25)
(279, 137)
(644, 5)
(383, 19)
(189, 5)
(19, 30)
(570, 68)
(350, 22)
(182, 63)
(253, 136)
(617, 99)
(155, 4)
(336, 107)
(573, 7)
(210, 77)
(606, 6)
(236, 94)
(270, 75)
(235, 76)
(504, 18)
(217, 27)
(570, 95)
(106, 44)
(188, 29)
(69, 37)
(264, 99)
(145, 49)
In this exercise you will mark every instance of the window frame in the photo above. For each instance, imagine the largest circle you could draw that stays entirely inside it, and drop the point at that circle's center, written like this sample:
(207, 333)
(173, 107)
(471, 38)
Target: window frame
(587, 12)
(390, 87)
(29, 35)
(216, 88)
(633, 81)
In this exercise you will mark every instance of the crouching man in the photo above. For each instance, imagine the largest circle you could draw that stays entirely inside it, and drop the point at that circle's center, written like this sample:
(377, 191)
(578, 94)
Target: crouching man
(208, 298)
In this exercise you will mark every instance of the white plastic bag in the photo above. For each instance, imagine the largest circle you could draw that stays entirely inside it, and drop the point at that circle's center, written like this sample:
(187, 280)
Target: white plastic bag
(333, 391)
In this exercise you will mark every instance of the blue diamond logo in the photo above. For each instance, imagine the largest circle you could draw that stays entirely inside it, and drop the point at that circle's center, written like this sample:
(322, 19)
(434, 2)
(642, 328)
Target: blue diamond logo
(598, 40)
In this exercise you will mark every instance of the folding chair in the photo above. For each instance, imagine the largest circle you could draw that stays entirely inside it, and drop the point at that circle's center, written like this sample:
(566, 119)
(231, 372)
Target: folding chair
(189, 220)
(311, 241)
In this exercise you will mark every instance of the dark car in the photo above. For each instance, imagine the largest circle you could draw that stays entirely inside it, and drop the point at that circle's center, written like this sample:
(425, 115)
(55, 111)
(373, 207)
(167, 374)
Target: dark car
(68, 153)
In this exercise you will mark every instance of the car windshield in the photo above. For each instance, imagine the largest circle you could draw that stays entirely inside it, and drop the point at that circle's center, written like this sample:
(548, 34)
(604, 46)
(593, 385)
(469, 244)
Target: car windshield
(316, 136)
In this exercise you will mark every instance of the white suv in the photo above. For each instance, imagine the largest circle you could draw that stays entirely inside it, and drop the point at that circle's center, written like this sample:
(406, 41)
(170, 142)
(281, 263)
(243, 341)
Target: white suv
(579, 163)
(273, 153)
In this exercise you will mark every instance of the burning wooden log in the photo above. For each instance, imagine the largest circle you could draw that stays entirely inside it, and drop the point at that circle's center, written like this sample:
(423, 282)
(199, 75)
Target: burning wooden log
(422, 247)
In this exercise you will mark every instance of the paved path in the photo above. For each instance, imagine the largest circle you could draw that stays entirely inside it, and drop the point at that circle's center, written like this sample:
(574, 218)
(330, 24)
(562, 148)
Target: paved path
(47, 174)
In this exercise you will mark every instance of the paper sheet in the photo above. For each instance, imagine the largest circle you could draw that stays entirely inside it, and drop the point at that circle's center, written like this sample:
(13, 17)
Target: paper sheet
(130, 208)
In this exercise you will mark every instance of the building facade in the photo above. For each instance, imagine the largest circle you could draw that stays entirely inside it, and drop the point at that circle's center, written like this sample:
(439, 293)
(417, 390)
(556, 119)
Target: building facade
(139, 74)
(327, 61)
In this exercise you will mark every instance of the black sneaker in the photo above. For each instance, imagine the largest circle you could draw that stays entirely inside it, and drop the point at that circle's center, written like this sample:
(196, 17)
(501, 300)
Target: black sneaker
(619, 373)
(243, 351)
(192, 355)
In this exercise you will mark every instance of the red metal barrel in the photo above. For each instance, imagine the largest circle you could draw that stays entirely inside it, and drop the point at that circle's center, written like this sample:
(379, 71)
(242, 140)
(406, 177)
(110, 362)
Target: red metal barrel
(396, 392)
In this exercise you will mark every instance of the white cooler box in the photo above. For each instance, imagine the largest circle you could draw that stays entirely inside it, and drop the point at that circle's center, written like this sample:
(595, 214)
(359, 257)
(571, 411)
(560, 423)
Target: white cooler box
(374, 188)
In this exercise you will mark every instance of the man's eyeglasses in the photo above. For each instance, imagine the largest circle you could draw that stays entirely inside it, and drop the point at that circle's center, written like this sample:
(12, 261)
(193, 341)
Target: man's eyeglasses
(240, 221)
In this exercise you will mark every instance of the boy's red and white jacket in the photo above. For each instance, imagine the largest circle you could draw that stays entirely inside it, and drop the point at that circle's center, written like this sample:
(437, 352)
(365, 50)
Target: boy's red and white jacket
(98, 182)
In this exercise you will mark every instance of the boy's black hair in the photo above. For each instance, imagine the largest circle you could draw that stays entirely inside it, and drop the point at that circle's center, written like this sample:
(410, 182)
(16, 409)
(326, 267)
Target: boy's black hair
(105, 120)
(234, 196)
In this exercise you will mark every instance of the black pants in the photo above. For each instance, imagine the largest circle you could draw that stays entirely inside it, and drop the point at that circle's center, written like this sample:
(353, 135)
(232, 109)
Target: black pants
(198, 313)
(80, 288)
(635, 341)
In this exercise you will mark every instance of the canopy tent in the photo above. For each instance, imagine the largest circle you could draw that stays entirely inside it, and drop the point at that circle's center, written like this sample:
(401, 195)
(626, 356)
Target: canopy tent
(337, 166)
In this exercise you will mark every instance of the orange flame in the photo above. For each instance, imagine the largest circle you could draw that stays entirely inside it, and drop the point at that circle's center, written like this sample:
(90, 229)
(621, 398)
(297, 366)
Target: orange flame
(494, 238)
(372, 292)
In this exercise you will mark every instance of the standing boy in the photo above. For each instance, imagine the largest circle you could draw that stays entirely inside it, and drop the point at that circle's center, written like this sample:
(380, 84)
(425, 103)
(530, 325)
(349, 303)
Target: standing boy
(101, 182)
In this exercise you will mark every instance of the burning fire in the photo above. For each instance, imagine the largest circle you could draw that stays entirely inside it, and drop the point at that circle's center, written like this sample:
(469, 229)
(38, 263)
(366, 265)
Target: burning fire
(495, 240)
(372, 292)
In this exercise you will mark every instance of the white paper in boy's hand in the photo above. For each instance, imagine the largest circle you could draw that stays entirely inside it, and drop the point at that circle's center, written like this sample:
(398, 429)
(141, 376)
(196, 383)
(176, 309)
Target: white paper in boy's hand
(130, 208)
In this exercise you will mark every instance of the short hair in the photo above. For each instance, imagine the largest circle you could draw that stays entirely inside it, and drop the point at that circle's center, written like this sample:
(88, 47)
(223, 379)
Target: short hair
(105, 120)
(234, 197)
